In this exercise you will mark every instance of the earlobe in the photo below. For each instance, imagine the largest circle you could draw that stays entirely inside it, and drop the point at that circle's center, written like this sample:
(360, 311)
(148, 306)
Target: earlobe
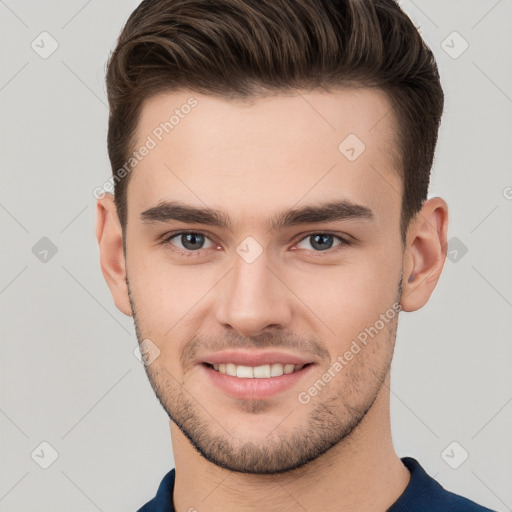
(112, 261)
(425, 254)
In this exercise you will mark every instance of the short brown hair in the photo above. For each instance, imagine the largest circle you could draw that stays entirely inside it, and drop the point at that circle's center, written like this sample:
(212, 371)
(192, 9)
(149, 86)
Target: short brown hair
(249, 48)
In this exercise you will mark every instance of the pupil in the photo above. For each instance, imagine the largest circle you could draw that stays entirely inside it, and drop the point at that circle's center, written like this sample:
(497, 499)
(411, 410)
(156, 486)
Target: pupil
(322, 239)
(190, 239)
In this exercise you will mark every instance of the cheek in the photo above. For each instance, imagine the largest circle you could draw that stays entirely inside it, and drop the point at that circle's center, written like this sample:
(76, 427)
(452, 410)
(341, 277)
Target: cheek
(351, 297)
(165, 294)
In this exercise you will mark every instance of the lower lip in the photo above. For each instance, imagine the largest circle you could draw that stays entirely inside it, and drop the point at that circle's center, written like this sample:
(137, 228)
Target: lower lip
(255, 389)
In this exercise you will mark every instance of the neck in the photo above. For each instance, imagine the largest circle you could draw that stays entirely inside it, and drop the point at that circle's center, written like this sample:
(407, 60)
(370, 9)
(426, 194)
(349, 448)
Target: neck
(362, 472)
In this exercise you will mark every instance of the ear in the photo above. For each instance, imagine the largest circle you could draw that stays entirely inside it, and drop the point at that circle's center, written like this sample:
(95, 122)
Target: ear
(425, 254)
(110, 240)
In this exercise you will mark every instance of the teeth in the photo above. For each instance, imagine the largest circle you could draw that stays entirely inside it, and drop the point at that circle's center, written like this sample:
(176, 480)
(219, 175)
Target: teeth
(262, 372)
(245, 372)
(276, 370)
(288, 368)
(258, 372)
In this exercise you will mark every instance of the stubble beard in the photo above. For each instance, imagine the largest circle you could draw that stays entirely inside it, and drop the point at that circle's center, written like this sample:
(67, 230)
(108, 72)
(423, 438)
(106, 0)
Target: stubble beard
(333, 417)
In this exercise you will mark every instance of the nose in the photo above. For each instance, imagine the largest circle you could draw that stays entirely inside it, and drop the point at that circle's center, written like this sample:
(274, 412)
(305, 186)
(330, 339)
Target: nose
(253, 298)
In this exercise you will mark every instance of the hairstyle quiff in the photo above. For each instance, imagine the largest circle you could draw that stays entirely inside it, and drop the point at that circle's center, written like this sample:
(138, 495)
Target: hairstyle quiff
(242, 49)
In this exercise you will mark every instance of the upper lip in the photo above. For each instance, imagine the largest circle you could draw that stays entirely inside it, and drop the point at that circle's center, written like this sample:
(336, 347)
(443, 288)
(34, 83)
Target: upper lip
(254, 358)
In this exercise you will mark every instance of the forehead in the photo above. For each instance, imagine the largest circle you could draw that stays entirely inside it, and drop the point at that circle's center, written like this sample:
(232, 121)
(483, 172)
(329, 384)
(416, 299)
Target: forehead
(263, 155)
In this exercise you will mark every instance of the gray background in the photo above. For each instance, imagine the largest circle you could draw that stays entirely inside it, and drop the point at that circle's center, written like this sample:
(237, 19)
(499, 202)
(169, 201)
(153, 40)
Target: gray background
(68, 373)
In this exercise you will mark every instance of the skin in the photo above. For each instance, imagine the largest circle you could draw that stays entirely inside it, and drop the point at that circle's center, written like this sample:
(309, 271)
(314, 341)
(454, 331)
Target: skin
(252, 160)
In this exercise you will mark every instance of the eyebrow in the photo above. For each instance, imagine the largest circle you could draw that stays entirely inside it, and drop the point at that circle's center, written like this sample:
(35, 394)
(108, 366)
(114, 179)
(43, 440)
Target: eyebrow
(331, 211)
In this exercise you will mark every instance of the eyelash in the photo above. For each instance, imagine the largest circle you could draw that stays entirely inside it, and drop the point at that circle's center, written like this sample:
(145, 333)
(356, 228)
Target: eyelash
(189, 253)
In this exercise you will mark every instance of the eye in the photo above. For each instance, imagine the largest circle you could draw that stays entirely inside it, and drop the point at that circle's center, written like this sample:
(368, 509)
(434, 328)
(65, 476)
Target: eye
(322, 242)
(191, 242)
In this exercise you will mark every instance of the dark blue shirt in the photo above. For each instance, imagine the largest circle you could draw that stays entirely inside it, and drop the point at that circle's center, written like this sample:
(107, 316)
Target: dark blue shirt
(422, 494)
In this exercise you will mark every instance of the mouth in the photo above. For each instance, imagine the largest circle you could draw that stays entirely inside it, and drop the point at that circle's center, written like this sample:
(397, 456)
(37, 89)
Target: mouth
(256, 382)
(265, 371)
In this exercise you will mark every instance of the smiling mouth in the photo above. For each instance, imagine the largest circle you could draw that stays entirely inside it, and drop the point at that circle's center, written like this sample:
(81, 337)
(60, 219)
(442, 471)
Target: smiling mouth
(265, 371)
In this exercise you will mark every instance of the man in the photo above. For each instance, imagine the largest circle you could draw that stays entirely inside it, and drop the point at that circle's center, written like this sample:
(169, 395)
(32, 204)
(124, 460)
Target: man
(271, 163)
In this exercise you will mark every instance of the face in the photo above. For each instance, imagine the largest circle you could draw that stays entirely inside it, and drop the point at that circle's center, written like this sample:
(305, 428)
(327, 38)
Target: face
(295, 264)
